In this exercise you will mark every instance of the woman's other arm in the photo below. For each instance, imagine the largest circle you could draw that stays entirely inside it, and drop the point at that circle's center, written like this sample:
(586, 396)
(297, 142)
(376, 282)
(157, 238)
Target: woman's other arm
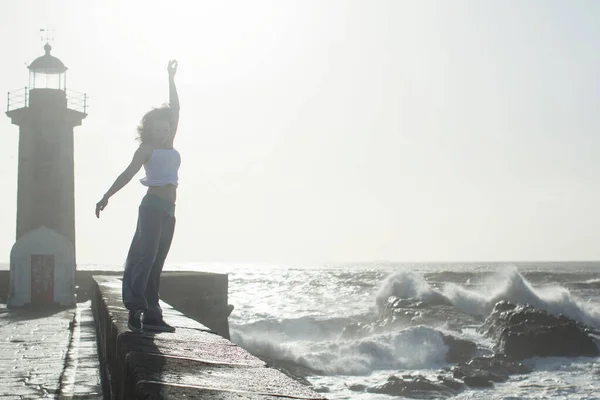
(173, 96)
(139, 158)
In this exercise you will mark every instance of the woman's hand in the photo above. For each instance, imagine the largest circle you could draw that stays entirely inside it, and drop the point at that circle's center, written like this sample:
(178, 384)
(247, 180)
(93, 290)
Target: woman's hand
(101, 205)
(172, 68)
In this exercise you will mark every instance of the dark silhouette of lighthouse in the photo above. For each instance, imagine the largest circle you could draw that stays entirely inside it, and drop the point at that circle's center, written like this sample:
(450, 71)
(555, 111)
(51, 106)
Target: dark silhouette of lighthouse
(46, 114)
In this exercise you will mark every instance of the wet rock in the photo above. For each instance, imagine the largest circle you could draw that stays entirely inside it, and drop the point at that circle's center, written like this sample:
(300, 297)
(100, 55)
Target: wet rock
(472, 376)
(451, 382)
(521, 331)
(485, 371)
(459, 350)
(357, 387)
(478, 372)
(477, 381)
(417, 387)
(499, 364)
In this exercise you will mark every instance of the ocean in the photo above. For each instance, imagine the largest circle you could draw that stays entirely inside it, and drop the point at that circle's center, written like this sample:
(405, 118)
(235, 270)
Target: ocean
(298, 314)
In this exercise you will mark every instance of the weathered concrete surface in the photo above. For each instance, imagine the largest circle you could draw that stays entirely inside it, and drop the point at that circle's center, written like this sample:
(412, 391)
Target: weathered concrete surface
(33, 347)
(81, 376)
(191, 363)
(48, 354)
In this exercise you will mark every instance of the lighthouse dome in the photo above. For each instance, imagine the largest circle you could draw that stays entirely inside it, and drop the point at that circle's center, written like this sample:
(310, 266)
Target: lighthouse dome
(47, 63)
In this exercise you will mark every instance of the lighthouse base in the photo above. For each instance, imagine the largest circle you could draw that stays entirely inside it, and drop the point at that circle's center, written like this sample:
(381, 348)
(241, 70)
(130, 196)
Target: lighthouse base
(42, 270)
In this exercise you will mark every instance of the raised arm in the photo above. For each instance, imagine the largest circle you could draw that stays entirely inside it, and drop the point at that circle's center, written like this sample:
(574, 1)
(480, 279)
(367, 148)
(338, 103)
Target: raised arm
(173, 97)
(139, 158)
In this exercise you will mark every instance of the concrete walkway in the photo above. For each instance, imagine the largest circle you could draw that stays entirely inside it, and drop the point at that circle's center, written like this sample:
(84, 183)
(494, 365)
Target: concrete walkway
(48, 354)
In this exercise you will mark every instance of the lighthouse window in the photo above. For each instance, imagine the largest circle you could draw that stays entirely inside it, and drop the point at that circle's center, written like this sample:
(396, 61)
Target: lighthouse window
(43, 80)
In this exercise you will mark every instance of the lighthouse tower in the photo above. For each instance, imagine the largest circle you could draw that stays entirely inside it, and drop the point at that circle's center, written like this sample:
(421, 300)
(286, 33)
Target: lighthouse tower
(42, 260)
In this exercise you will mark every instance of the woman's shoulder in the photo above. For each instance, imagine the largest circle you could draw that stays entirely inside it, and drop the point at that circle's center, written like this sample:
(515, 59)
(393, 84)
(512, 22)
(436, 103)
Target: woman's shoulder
(145, 150)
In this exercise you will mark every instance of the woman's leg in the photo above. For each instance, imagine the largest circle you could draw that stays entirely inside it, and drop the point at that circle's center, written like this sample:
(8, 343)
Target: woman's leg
(140, 259)
(154, 312)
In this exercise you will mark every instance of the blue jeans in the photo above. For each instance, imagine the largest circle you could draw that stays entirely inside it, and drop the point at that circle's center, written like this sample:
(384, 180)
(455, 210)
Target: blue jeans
(146, 257)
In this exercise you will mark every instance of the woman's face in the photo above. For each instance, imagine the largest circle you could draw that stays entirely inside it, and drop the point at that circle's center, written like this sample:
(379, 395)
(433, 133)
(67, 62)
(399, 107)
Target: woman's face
(161, 130)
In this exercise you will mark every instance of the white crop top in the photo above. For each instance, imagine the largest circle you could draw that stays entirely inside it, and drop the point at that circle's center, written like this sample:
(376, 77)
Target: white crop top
(161, 168)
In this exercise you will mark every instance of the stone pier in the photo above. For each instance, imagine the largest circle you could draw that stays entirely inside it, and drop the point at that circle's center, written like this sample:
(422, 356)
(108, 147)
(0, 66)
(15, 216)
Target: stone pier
(192, 363)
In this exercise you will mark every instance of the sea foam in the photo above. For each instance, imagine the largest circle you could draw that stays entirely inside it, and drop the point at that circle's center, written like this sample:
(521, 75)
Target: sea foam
(508, 284)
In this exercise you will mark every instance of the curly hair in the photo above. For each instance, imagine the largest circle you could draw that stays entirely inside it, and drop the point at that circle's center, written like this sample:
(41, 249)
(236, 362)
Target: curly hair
(144, 128)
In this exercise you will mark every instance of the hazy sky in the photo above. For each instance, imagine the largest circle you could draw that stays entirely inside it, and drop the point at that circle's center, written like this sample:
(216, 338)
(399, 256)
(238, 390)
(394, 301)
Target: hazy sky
(322, 131)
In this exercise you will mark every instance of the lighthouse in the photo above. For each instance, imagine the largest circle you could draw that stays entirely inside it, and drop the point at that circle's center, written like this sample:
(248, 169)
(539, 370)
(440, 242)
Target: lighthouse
(42, 260)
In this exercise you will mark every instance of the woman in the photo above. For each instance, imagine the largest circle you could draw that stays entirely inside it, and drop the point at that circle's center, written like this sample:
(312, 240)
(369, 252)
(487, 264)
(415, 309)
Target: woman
(156, 217)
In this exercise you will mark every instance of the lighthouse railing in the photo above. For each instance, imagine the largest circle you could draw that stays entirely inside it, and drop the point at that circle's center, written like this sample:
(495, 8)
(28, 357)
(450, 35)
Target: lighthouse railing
(77, 101)
(20, 98)
(17, 99)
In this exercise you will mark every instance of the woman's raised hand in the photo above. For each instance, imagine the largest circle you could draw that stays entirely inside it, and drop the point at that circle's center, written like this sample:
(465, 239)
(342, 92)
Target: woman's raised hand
(172, 68)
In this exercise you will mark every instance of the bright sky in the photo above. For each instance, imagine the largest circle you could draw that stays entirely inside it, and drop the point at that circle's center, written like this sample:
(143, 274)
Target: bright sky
(323, 131)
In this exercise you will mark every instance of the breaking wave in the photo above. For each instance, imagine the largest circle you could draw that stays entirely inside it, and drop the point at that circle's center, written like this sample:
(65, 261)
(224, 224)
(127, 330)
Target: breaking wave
(507, 285)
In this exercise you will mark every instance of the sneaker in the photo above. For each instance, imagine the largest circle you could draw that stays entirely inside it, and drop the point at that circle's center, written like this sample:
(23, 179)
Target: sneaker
(134, 323)
(158, 325)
